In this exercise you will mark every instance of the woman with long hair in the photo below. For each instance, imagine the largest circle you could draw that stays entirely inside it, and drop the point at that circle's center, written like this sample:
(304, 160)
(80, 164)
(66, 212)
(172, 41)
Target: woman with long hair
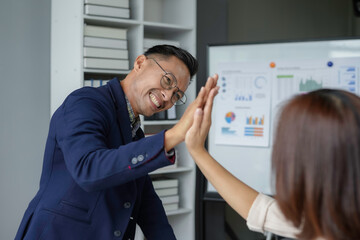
(316, 164)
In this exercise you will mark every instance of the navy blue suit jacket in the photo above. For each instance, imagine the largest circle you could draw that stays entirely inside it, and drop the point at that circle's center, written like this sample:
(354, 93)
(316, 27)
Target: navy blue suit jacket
(95, 182)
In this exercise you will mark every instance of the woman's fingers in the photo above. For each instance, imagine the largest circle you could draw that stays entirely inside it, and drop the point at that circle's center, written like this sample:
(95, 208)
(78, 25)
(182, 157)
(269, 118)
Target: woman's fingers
(198, 116)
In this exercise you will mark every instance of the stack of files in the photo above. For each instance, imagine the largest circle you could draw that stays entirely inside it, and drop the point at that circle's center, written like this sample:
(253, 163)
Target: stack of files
(150, 42)
(167, 190)
(105, 48)
(95, 82)
(156, 116)
(170, 203)
(116, 64)
(169, 114)
(108, 8)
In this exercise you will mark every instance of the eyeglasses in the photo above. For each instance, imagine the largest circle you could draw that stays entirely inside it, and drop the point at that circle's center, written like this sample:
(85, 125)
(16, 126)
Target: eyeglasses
(168, 81)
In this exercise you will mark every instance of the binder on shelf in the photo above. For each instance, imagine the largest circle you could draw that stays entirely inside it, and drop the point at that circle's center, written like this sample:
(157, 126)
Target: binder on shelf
(95, 82)
(171, 113)
(156, 116)
(171, 207)
(107, 11)
(87, 83)
(163, 192)
(105, 42)
(170, 199)
(117, 64)
(105, 32)
(159, 183)
(109, 3)
(106, 53)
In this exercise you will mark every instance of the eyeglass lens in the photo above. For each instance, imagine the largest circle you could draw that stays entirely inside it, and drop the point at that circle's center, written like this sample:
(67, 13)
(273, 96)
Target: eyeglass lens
(168, 82)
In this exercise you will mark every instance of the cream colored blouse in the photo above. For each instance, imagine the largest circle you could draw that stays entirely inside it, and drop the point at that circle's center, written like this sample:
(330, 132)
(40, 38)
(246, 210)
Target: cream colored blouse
(266, 216)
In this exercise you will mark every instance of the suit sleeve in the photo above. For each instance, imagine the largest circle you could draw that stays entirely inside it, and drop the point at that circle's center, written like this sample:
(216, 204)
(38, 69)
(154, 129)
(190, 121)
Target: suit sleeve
(83, 125)
(152, 218)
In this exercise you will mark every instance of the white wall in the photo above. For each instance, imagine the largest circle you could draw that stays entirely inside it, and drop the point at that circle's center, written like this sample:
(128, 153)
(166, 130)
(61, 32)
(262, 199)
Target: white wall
(24, 105)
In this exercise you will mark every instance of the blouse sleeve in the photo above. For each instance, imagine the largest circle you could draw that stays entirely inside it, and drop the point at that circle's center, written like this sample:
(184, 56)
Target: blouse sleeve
(266, 216)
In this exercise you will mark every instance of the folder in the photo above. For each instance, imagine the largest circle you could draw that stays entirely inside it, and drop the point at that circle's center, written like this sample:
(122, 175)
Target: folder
(106, 53)
(166, 191)
(105, 42)
(110, 3)
(118, 64)
(105, 32)
(107, 11)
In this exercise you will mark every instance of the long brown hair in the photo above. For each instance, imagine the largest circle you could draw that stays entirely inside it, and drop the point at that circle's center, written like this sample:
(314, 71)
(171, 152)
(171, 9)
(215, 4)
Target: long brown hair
(316, 161)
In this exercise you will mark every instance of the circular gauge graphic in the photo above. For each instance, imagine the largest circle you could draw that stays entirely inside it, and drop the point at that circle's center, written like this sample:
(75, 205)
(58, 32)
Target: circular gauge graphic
(260, 82)
(229, 117)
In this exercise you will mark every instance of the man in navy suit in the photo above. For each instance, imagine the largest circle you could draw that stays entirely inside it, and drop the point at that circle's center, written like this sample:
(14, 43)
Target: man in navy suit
(95, 182)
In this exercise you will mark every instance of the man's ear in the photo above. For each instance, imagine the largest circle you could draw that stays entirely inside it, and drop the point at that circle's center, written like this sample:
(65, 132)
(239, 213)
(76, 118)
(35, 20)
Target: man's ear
(139, 61)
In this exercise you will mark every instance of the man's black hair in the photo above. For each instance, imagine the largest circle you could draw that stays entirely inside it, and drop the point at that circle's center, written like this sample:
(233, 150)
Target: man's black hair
(169, 50)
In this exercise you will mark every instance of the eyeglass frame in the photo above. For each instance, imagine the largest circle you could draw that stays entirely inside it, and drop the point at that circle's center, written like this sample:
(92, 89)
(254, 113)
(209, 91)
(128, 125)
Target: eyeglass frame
(181, 100)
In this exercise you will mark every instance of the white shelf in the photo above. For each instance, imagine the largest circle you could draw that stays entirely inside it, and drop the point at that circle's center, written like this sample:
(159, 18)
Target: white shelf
(122, 72)
(172, 170)
(160, 122)
(178, 212)
(116, 22)
(166, 26)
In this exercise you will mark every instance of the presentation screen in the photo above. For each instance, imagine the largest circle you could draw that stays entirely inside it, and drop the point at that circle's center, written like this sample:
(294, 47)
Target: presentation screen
(255, 80)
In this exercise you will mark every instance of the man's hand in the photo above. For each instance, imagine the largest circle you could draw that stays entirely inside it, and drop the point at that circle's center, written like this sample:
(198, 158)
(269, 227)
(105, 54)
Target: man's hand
(196, 135)
(176, 134)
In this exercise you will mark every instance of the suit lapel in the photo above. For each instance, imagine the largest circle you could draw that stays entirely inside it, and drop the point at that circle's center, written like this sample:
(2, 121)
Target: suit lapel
(123, 119)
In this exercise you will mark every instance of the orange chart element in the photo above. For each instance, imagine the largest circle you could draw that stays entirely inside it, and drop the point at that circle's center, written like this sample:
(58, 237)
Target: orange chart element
(229, 117)
(272, 65)
(255, 120)
(254, 132)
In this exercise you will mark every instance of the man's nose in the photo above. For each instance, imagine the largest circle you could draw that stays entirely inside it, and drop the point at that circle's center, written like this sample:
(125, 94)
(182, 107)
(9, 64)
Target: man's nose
(167, 94)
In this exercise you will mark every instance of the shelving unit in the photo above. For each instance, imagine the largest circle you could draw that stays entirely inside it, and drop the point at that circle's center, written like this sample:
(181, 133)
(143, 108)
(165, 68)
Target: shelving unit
(161, 19)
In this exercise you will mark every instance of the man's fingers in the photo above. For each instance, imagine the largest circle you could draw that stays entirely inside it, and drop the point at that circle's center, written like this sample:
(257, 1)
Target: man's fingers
(209, 83)
(205, 90)
(209, 102)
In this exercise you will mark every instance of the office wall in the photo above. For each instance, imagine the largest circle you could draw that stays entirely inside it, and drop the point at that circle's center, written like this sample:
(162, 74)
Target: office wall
(24, 105)
(258, 20)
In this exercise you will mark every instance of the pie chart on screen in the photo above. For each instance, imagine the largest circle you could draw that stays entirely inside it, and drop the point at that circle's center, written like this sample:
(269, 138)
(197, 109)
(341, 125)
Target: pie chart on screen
(230, 117)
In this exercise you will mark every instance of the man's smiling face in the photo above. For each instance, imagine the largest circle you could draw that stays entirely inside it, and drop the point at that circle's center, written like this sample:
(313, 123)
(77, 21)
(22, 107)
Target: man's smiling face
(149, 95)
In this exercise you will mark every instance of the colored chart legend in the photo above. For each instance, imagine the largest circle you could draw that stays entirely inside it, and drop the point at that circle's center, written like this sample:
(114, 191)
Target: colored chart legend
(254, 132)
(227, 131)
